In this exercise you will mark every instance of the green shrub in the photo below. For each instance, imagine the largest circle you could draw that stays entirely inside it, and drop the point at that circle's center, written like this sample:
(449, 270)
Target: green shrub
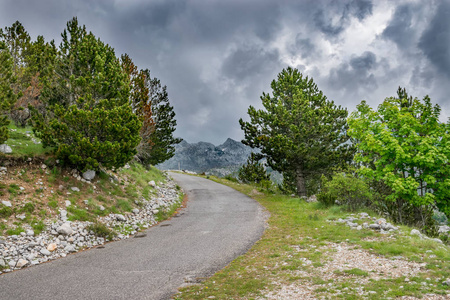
(28, 207)
(253, 171)
(346, 189)
(101, 230)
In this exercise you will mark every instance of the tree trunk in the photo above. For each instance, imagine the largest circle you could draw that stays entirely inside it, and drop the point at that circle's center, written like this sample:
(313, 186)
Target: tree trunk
(300, 178)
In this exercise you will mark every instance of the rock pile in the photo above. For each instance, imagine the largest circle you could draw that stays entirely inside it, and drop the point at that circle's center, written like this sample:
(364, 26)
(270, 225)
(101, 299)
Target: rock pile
(378, 224)
(62, 237)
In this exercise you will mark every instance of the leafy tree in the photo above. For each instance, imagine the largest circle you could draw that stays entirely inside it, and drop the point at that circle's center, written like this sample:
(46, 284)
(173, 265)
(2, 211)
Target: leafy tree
(163, 116)
(89, 120)
(253, 171)
(404, 146)
(301, 133)
(7, 96)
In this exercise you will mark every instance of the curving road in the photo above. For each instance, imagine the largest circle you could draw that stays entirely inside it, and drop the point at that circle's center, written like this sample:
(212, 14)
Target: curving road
(217, 225)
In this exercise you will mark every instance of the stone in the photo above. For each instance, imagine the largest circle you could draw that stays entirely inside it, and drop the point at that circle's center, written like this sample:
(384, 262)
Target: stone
(152, 183)
(364, 215)
(30, 232)
(89, 175)
(3, 169)
(45, 252)
(5, 149)
(444, 229)
(43, 166)
(65, 229)
(12, 263)
(86, 202)
(416, 232)
(101, 207)
(127, 166)
(374, 226)
(75, 189)
(22, 263)
(52, 247)
(7, 203)
(135, 211)
(120, 218)
(2, 263)
(67, 203)
(21, 217)
(446, 282)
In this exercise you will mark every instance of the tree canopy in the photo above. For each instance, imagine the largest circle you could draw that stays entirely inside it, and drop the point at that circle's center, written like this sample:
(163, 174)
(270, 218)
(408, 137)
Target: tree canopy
(301, 133)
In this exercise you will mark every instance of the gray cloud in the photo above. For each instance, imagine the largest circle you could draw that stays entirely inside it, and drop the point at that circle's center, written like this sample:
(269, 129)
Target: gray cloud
(435, 41)
(217, 57)
(357, 74)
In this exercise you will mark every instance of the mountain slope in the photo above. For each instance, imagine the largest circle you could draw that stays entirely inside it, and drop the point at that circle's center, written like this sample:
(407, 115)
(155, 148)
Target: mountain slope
(202, 156)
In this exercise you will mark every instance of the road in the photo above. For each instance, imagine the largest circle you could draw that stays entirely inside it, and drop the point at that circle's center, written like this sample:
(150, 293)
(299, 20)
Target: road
(218, 225)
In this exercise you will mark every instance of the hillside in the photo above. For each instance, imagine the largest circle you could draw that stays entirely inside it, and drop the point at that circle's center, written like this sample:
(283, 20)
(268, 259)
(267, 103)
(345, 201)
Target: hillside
(202, 156)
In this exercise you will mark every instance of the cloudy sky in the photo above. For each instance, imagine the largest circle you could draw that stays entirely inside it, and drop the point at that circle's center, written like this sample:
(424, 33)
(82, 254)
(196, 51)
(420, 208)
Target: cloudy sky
(217, 57)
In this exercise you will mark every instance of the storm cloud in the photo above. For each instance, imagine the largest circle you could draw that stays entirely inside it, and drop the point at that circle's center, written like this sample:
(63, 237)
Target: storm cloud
(217, 57)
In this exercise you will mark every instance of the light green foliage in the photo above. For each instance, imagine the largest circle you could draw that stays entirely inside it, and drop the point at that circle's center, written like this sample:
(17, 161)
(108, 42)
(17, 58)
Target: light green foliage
(7, 95)
(253, 171)
(89, 119)
(347, 189)
(403, 145)
(302, 134)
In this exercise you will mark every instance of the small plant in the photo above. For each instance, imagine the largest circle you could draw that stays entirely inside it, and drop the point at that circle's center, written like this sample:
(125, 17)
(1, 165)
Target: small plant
(15, 231)
(124, 205)
(38, 226)
(53, 204)
(253, 171)
(79, 214)
(101, 230)
(27, 208)
(5, 211)
(14, 189)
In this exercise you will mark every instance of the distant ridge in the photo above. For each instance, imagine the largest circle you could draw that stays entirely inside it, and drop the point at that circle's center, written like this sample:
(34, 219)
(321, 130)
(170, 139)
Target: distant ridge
(202, 156)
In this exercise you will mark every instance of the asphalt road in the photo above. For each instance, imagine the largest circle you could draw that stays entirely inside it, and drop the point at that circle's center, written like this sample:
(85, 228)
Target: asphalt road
(217, 225)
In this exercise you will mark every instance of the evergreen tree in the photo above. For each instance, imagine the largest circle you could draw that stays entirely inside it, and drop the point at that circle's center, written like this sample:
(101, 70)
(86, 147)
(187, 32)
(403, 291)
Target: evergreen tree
(88, 118)
(253, 171)
(163, 116)
(7, 96)
(301, 133)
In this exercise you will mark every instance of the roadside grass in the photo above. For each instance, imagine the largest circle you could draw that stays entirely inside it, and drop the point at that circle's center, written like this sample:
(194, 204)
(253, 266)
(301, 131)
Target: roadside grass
(297, 245)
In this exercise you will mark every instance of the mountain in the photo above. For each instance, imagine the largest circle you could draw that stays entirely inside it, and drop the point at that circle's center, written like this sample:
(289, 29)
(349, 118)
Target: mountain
(202, 156)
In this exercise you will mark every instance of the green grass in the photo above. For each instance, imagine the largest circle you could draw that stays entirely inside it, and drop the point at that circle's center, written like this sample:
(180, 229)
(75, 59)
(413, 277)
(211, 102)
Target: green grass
(300, 232)
(22, 144)
(100, 229)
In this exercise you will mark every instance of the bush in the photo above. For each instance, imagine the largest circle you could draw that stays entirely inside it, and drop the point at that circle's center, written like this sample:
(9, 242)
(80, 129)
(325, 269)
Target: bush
(101, 230)
(345, 189)
(5, 211)
(253, 171)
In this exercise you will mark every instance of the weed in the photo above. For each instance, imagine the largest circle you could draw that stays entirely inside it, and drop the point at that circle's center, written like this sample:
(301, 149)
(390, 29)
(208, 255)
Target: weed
(101, 230)
(15, 231)
(38, 226)
(28, 208)
(79, 214)
(53, 204)
(124, 205)
(5, 211)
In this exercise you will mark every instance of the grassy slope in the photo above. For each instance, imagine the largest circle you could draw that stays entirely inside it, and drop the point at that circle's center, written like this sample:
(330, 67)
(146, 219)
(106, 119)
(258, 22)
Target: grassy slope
(302, 232)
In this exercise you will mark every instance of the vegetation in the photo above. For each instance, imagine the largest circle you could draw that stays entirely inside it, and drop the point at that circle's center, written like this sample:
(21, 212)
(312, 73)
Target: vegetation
(299, 242)
(300, 132)
(404, 146)
(253, 171)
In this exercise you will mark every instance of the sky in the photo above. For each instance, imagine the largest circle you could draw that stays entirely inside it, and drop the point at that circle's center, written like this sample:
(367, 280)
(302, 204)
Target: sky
(217, 57)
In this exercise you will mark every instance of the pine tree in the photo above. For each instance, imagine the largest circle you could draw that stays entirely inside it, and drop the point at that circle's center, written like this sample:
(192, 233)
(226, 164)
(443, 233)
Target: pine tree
(7, 95)
(163, 116)
(88, 118)
(253, 171)
(301, 133)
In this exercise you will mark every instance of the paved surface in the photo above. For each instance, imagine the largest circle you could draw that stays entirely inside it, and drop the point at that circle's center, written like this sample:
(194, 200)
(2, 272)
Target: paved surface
(218, 225)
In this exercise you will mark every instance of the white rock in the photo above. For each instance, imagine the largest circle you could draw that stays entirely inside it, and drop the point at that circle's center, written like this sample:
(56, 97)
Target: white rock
(7, 203)
(416, 232)
(120, 218)
(43, 166)
(30, 232)
(12, 263)
(89, 175)
(67, 203)
(21, 263)
(22, 217)
(75, 189)
(65, 229)
(152, 183)
(2, 263)
(3, 169)
(101, 207)
(5, 149)
(45, 252)
(135, 211)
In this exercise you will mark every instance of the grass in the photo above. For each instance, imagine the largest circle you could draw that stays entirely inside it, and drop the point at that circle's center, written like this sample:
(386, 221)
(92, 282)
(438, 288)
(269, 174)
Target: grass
(297, 241)
(101, 230)
(21, 142)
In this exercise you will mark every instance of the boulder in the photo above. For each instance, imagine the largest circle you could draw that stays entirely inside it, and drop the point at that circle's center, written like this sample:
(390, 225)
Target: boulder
(120, 218)
(416, 232)
(5, 149)
(65, 229)
(152, 183)
(21, 263)
(89, 175)
(52, 247)
(7, 203)
(311, 199)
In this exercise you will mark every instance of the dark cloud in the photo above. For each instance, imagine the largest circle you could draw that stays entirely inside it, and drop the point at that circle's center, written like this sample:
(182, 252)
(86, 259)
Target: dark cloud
(435, 41)
(245, 62)
(337, 15)
(356, 74)
(400, 28)
(303, 47)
